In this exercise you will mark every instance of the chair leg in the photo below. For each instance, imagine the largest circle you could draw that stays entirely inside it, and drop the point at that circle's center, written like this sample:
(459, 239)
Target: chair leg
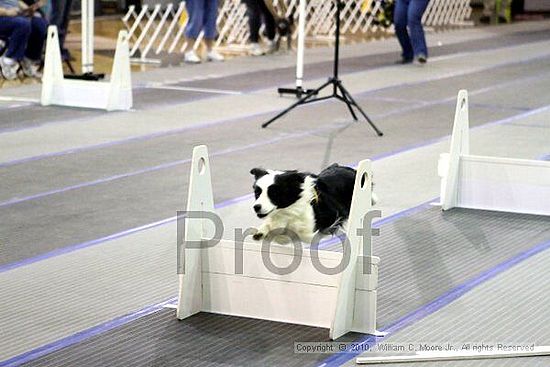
(70, 66)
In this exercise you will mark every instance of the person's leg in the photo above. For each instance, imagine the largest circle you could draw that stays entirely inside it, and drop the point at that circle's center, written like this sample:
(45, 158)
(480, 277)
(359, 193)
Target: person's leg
(414, 21)
(268, 20)
(254, 19)
(65, 25)
(211, 30)
(37, 37)
(17, 30)
(209, 22)
(400, 21)
(195, 12)
(56, 18)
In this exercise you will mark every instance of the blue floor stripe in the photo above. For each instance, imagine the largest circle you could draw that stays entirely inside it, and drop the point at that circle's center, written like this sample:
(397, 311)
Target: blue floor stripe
(83, 335)
(71, 248)
(435, 305)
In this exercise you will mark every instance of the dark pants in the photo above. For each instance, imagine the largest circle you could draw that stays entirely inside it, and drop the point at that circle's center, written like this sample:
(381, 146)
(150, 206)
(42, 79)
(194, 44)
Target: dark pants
(61, 9)
(257, 12)
(408, 14)
(25, 36)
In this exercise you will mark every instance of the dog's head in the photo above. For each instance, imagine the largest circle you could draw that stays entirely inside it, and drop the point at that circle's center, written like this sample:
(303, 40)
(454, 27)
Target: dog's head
(275, 190)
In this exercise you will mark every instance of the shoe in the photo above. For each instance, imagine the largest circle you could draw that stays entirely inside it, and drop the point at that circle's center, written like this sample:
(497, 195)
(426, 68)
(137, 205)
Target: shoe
(421, 59)
(485, 19)
(255, 49)
(9, 68)
(191, 57)
(30, 68)
(214, 55)
(271, 47)
(2, 46)
(404, 61)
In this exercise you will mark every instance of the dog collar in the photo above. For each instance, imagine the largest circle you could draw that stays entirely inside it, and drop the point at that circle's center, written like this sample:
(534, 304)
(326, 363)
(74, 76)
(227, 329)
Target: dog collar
(315, 198)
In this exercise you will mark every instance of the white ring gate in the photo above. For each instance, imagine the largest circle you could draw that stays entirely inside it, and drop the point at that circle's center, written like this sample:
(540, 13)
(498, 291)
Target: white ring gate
(341, 302)
(160, 29)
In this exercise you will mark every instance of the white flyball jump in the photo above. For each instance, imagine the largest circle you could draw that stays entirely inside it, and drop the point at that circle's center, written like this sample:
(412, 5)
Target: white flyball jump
(214, 281)
(490, 183)
(116, 94)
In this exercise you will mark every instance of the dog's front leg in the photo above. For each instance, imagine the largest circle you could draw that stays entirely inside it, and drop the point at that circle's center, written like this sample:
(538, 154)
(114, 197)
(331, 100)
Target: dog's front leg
(263, 231)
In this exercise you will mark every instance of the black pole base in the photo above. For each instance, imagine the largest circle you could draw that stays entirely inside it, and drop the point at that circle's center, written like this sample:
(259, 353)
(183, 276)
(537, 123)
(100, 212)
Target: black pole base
(86, 76)
(298, 91)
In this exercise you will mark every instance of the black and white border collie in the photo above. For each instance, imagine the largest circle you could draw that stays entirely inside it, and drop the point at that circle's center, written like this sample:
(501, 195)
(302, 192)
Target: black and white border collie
(301, 202)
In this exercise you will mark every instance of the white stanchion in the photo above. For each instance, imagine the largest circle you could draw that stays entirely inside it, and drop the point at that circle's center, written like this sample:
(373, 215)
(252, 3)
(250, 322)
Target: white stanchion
(490, 183)
(300, 44)
(214, 282)
(87, 36)
(116, 94)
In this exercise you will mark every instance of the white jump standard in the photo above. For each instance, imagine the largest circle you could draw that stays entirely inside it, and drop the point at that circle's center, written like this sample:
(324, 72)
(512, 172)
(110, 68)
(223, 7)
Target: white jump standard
(212, 282)
(116, 94)
(490, 183)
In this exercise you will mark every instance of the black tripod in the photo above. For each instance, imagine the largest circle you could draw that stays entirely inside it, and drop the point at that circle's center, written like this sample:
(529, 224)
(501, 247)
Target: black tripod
(338, 90)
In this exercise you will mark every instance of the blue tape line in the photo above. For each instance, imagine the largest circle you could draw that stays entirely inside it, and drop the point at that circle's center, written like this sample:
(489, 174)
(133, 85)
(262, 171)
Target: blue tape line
(79, 246)
(435, 305)
(390, 218)
(83, 335)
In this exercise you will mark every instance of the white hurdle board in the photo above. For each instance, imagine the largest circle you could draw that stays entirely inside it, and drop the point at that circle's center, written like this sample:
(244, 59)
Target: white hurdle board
(116, 94)
(490, 183)
(342, 302)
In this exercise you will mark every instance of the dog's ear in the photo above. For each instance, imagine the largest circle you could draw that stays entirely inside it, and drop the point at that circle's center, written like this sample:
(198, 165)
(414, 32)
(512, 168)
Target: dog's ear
(258, 172)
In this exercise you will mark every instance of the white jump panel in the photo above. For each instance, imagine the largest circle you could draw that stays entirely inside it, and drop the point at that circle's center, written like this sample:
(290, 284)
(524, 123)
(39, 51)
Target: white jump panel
(511, 185)
(490, 183)
(249, 279)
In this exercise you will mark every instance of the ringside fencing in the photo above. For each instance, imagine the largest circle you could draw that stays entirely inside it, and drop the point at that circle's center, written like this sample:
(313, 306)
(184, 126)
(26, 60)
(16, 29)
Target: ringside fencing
(158, 30)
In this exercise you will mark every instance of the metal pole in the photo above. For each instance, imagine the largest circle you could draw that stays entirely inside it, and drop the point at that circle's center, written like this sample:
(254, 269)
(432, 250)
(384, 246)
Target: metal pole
(87, 36)
(301, 41)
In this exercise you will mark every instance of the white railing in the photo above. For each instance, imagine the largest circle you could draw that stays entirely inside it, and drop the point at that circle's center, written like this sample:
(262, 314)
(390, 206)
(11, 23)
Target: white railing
(158, 30)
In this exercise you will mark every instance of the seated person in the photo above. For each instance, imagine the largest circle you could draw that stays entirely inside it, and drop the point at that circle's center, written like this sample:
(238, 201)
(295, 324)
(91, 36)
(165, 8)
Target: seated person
(25, 31)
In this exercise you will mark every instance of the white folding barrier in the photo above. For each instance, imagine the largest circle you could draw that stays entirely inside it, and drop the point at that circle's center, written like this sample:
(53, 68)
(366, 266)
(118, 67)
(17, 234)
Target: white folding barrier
(116, 94)
(212, 282)
(490, 183)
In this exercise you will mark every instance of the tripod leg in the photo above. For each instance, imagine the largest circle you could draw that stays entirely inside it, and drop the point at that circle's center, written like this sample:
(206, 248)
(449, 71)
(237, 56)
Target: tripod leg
(296, 104)
(346, 100)
(351, 101)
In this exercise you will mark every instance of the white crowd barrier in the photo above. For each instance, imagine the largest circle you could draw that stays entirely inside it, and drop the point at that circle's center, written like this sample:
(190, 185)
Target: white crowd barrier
(490, 183)
(342, 302)
(156, 30)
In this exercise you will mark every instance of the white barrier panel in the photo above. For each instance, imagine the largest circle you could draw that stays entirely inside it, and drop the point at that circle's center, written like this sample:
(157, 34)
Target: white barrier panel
(116, 94)
(342, 302)
(490, 183)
